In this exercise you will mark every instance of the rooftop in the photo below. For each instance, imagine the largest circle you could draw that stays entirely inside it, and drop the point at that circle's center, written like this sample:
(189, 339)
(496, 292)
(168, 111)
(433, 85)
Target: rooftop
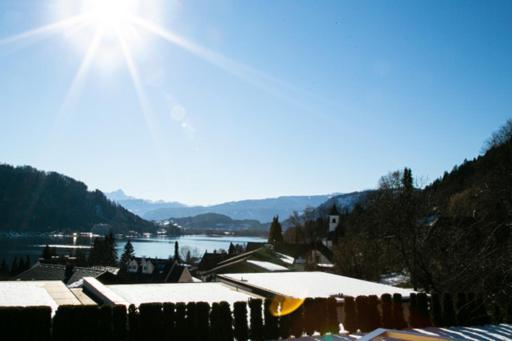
(167, 292)
(36, 293)
(309, 284)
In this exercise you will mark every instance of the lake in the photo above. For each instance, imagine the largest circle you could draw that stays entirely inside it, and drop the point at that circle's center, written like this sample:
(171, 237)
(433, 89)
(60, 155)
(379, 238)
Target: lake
(157, 246)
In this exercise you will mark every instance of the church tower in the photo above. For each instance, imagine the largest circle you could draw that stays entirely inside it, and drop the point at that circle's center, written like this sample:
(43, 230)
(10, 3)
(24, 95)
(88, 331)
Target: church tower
(334, 218)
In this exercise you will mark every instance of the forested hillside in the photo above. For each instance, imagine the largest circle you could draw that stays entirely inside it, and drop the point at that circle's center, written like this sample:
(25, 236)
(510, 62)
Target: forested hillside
(33, 200)
(454, 235)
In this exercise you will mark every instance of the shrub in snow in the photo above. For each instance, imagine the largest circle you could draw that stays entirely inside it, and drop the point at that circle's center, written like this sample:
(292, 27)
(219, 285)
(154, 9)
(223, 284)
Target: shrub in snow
(241, 330)
(387, 318)
(256, 332)
(350, 322)
(448, 310)
(398, 312)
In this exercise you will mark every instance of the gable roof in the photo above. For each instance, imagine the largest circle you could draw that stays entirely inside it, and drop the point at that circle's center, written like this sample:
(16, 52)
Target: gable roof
(46, 272)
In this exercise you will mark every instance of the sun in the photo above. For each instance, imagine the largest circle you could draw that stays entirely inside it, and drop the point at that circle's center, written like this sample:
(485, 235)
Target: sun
(109, 15)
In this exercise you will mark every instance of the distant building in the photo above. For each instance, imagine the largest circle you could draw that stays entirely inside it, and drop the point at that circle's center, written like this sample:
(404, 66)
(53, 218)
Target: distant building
(153, 270)
(334, 220)
(262, 259)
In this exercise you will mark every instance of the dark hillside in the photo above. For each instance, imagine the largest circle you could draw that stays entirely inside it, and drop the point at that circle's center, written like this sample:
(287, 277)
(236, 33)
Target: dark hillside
(33, 200)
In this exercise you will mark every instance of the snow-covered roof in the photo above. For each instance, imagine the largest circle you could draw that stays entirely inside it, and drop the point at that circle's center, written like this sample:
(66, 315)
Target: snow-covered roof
(178, 292)
(311, 284)
(35, 293)
(268, 265)
(285, 258)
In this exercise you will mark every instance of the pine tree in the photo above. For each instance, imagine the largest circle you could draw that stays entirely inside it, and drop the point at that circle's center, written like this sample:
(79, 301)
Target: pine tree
(176, 251)
(128, 253)
(275, 234)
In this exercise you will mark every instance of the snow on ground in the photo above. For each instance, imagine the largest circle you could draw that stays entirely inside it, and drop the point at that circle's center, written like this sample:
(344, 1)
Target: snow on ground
(268, 265)
(314, 284)
(178, 292)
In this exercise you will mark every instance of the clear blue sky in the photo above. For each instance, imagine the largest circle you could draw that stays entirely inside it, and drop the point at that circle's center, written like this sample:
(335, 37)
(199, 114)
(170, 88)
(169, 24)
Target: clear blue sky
(267, 98)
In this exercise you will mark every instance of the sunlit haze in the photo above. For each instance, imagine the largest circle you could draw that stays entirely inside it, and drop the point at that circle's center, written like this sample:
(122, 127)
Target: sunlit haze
(206, 102)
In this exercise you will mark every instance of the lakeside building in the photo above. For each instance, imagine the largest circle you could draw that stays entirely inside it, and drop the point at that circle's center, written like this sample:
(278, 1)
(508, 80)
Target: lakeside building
(153, 270)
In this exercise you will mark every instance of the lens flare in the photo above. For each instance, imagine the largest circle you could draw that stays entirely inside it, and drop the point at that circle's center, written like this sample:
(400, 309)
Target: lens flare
(284, 305)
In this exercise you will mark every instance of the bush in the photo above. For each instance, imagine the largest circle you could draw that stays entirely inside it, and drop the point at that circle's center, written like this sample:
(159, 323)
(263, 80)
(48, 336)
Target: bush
(387, 317)
(241, 330)
(437, 316)
(448, 310)
(271, 328)
(256, 332)
(350, 323)
(333, 325)
(119, 326)
(398, 312)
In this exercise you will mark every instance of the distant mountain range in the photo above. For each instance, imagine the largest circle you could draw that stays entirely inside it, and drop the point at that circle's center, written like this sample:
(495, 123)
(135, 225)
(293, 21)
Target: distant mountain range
(36, 201)
(258, 209)
(141, 206)
(215, 221)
